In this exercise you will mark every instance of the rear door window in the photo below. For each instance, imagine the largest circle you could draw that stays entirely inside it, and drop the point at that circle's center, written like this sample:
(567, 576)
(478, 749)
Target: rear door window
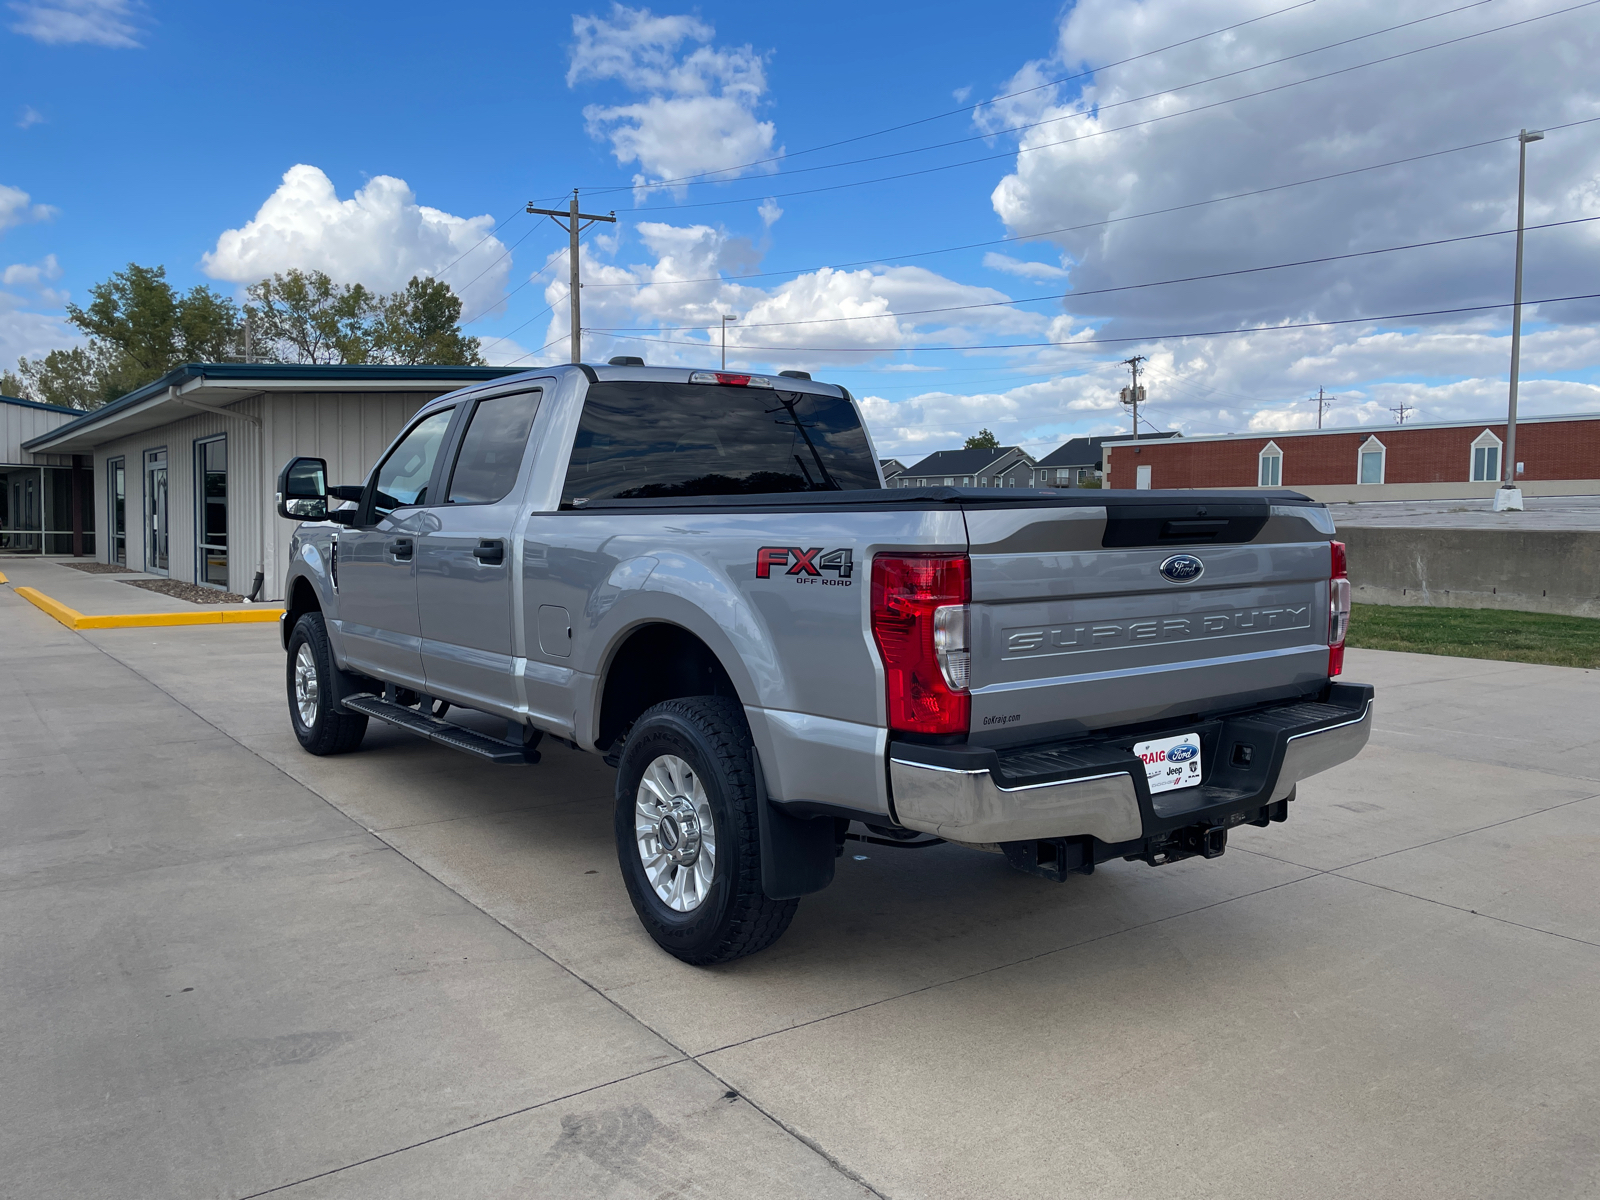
(403, 477)
(492, 449)
(647, 440)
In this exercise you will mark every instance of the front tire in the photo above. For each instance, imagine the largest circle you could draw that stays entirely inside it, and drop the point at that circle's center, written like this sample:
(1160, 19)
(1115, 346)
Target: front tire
(688, 833)
(321, 724)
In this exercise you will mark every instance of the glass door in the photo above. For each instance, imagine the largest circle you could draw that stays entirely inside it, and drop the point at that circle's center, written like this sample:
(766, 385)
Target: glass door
(117, 490)
(211, 525)
(156, 536)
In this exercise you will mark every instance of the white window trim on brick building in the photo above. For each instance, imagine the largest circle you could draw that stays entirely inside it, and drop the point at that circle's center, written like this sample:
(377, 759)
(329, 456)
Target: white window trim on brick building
(1269, 466)
(1486, 441)
(1372, 446)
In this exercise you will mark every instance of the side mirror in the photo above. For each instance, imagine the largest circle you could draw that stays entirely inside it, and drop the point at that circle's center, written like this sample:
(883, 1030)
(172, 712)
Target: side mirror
(303, 490)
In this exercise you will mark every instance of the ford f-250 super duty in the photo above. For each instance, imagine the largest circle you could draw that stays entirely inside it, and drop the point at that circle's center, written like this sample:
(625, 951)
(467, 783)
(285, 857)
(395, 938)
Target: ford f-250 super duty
(700, 576)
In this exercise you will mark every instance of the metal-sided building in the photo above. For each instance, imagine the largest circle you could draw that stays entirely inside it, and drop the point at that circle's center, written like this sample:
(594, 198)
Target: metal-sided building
(44, 502)
(184, 469)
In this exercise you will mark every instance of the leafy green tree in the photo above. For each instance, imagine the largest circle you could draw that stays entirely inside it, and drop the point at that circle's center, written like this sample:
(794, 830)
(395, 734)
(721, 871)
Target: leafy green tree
(138, 329)
(138, 314)
(307, 318)
(421, 324)
(12, 384)
(983, 440)
(83, 377)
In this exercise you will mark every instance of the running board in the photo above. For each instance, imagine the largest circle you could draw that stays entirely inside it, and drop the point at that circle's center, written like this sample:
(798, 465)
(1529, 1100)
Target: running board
(468, 741)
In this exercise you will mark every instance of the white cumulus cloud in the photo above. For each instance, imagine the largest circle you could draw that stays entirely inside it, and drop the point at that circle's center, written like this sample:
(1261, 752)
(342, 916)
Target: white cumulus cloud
(16, 208)
(698, 107)
(379, 237)
(1478, 89)
(1022, 267)
(65, 22)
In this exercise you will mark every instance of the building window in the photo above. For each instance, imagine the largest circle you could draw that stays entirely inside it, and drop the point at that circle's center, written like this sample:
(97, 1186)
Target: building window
(1486, 458)
(117, 498)
(211, 521)
(1371, 463)
(1270, 466)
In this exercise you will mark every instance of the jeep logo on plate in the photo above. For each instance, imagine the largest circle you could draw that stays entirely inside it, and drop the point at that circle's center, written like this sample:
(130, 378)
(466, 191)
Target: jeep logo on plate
(1182, 568)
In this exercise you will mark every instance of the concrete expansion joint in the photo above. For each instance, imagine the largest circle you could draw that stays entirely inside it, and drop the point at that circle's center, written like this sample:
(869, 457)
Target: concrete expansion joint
(682, 1054)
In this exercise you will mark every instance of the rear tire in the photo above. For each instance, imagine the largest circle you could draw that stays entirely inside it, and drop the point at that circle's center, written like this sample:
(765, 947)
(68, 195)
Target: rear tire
(688, 833)
(321, 724)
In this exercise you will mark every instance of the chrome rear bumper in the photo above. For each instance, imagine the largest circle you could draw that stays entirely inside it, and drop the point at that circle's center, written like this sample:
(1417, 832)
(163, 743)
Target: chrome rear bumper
(1102, 792)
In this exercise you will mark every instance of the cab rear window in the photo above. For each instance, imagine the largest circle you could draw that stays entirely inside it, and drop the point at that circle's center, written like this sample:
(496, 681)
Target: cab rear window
(663, 440)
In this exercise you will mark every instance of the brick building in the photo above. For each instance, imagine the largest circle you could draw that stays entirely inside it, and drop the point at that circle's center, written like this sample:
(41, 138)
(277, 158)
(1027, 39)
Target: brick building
(1457, 459)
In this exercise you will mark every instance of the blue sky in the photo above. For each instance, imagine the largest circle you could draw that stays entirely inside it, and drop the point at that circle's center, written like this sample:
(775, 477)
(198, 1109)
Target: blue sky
(375, 142)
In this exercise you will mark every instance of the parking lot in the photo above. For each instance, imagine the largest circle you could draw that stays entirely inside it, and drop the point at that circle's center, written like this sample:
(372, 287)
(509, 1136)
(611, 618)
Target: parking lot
(230, 969)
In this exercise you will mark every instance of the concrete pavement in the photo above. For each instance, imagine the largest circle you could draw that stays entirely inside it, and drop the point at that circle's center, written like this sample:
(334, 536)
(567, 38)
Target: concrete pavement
(416, 975)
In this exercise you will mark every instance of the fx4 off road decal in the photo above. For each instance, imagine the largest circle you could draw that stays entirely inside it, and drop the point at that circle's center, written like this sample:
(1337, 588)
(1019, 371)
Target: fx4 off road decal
(807, 566)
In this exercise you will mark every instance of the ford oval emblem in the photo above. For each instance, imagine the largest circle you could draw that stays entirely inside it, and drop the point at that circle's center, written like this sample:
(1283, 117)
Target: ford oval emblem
(1182, 752)
(1182, 568)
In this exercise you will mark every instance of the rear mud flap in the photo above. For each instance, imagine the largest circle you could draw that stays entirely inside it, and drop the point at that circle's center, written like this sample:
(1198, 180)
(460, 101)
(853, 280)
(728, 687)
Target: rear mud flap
(797, 853)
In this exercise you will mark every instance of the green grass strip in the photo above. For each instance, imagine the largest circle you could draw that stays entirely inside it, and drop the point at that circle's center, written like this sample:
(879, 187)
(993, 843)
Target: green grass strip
(1478, 633)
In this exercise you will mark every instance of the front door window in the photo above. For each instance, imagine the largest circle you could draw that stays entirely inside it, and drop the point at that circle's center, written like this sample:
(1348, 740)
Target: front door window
(117, 490)
(211, 474)
(156, 532)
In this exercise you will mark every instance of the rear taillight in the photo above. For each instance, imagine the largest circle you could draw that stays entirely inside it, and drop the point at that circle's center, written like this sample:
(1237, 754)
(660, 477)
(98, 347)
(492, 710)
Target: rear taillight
(1338, 609)
(920, 622)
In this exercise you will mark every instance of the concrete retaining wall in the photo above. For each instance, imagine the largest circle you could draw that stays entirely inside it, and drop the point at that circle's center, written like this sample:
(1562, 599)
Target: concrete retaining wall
(1539, 570)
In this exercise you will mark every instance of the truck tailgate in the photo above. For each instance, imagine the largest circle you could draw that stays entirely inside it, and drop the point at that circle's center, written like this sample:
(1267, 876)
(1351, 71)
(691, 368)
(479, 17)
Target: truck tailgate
(1073, 629)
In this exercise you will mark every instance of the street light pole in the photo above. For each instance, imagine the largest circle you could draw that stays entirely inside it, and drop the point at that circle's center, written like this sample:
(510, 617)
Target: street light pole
(725, 321)
(1510, 495)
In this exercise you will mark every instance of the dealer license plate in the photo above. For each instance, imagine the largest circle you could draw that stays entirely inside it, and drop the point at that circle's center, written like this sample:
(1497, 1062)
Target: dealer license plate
(1171, 763)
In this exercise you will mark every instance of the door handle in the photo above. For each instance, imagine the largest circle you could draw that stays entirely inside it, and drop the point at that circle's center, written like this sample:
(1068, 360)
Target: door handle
(400, 549)
(490, 551)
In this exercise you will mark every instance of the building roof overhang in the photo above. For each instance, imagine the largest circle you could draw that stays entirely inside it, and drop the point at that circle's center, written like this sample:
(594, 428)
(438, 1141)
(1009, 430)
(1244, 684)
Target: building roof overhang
(198, 386)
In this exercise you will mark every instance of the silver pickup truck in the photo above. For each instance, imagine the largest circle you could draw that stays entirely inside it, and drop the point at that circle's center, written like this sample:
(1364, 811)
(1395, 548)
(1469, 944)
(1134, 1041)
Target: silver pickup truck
(700, 576)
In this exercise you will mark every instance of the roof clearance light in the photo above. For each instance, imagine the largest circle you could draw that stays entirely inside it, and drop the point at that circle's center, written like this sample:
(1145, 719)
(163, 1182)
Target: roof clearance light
(727, 379)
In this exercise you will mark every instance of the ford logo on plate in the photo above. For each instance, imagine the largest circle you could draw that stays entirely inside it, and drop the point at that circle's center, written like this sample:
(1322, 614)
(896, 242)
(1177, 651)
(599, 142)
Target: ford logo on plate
(1182, 753)
(1182, 568)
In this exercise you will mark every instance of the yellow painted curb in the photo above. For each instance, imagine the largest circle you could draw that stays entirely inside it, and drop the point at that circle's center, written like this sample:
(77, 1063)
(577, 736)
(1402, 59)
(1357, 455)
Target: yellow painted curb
(3, 578)
(73, 619)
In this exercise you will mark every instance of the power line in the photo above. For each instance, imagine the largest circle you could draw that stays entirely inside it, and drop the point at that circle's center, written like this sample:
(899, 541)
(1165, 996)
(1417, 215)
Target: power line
(970, 108)
(1150, 337)
(1128, 287)
(540, 350)
(1132, 125)
(1096, 111)
(481, 241)
(1156, 212)
(485, 312)
(518, 329)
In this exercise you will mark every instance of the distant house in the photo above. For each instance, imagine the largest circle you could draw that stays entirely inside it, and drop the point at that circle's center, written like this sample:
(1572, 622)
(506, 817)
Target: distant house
(891, 467)
(1074, 463)
(1003, 466)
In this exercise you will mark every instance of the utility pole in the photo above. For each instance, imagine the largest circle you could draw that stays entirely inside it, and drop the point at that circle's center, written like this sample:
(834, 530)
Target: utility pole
(1132, 395)
(1402, 412)
(1323, 405)
(1510, 495)
(576, 222)
(725, 321)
